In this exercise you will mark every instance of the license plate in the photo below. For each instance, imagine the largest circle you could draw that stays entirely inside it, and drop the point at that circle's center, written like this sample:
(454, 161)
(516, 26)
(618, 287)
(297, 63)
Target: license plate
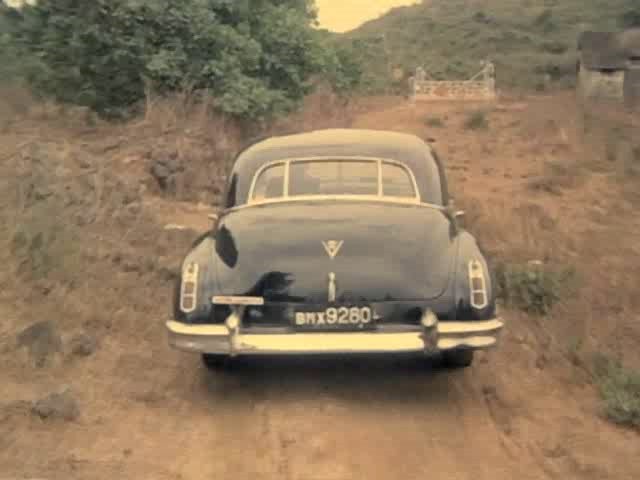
(335, 318)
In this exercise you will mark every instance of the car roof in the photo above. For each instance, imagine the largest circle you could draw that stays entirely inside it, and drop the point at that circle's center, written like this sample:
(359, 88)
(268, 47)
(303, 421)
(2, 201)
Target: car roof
(339, 143)
(340, 137)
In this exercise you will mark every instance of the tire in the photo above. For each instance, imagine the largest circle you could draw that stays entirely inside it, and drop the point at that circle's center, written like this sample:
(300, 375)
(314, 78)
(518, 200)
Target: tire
(457, 358)
(215, 362)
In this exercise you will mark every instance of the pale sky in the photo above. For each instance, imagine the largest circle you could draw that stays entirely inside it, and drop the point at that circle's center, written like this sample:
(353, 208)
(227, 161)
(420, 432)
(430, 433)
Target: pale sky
(340, 15)
(343, 15)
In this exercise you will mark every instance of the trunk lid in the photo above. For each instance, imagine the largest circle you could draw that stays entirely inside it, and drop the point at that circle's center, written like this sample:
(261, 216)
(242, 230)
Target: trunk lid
(375, 252)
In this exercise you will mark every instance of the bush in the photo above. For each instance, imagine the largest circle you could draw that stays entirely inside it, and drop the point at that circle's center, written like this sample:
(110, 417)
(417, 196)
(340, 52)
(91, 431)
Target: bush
(555, 47)
(620, 391)
(434, 122)
(257, 59)
(477, 121)
(630, 18)
(534, 288)
(544, 21)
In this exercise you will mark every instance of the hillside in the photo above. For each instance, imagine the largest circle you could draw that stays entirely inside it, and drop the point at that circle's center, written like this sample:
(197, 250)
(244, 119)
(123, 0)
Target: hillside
(527, 40)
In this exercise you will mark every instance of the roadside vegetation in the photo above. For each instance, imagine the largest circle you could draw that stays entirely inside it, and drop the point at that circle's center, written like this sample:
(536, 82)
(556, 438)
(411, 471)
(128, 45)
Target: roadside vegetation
(535, 288)
(477, 121)
(257, 59)
(434, 122)
(620, 391)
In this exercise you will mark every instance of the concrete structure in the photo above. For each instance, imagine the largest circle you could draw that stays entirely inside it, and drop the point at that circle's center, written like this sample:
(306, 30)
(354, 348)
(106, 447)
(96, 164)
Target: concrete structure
(480, 87)
(609, 66)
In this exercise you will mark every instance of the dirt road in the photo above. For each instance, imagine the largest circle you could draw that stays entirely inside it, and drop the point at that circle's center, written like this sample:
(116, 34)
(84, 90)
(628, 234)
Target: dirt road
(148, 412)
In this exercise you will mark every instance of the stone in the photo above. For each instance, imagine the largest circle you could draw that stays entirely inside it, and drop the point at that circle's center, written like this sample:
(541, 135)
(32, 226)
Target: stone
(83, 345)
(134, 209)
(160, 171)
(60, 405)
(42, 340)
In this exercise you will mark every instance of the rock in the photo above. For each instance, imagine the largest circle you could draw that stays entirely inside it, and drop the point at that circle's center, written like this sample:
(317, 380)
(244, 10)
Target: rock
(131, 266)
(83, 345)
(174, 226)
(541, 361)
(130, 197)
(42, 340)
(160, 171)
(58, 405)
(134, 208)
(85, 161)
(164, 168)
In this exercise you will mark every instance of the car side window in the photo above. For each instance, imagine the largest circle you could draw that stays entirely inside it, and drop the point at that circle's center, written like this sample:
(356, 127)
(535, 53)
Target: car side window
(270, 183)
(396, 182)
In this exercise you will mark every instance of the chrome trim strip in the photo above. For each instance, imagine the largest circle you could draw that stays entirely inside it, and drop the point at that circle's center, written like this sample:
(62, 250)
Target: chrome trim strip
(237, 300)
(350, 198)
(287, 174)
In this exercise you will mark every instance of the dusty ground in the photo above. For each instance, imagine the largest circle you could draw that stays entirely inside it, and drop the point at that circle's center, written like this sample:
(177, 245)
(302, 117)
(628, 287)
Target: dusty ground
(525, 410)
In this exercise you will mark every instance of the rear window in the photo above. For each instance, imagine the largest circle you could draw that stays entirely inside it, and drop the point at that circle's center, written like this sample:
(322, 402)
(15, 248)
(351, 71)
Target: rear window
(334, 177)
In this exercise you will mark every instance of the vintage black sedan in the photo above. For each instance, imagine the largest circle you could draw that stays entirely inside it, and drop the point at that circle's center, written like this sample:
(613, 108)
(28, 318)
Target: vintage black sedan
(336, 241)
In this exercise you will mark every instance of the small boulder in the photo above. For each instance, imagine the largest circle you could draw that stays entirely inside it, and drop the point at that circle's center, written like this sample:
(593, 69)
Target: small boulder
(83, 345)
(164, 169)
(42, 340)
(58, 405)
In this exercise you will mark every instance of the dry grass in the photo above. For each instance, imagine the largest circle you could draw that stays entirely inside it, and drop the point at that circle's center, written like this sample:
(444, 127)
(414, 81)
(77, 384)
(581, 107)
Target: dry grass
(322, 109)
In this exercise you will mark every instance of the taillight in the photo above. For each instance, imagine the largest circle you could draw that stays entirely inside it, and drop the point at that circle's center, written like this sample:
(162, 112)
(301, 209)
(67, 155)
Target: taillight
(189, 288)
(477, 285)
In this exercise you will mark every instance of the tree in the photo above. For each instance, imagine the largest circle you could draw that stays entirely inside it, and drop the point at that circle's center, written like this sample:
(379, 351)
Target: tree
(256, 57)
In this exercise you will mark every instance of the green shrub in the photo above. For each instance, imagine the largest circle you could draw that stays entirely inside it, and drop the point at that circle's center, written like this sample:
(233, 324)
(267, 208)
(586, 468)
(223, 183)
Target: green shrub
(544, 21)
(620, 391)
(435, 122)
(534, 288)
(477, 121)
(555, 47)
(256, 58)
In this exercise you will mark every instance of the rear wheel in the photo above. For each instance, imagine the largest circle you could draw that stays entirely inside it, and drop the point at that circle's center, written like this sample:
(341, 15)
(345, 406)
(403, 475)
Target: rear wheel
(215, 361)
(457, 358)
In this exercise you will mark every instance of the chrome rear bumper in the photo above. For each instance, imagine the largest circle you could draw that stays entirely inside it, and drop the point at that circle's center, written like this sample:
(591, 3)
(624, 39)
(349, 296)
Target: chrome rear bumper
(222, 339)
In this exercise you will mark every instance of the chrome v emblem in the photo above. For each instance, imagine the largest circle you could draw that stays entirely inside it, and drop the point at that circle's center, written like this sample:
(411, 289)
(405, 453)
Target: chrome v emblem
(332, 247)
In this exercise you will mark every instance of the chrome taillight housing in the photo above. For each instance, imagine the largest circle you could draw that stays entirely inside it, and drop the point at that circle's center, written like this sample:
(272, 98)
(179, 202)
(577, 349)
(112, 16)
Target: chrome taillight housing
(189, 288)
(477, 285)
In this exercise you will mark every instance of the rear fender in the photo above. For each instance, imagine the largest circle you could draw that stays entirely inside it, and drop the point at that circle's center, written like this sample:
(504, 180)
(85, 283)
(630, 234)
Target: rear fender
(203, 255)
(468, 251)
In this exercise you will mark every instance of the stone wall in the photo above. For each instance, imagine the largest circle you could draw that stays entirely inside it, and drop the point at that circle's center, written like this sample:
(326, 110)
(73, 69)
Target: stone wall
(601, 85)
(455, 90)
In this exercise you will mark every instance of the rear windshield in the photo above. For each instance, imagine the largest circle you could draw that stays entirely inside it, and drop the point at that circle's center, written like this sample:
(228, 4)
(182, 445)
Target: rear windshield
(333, 177)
